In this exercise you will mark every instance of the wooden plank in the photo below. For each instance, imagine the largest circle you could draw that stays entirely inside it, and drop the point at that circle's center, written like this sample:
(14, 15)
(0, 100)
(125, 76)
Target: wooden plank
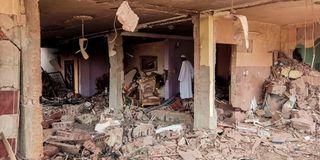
(7, 147)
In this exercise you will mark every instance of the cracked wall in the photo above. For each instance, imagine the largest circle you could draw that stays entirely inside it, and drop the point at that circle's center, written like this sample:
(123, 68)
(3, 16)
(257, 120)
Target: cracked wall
(20, 69)
(253, 67)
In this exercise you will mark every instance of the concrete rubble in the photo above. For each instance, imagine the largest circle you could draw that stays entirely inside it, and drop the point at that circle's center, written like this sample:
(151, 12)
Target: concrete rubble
(158, 135)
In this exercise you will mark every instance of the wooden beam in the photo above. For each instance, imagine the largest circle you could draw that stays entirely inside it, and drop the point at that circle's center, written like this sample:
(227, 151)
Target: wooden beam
(153, 35)
(7, 146)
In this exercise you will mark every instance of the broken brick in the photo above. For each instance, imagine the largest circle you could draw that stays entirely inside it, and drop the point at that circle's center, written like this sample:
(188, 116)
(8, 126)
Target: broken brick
(87, 119)
(62, 125)
(276, 89)
(89, 145)
(143, 130)
(50, 150)
(114, 138)
(303, 124)
(62, 135)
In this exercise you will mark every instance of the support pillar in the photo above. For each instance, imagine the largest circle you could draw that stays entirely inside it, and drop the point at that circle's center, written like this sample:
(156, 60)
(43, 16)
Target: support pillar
(116, 71)
(205, 115)
(30, 131)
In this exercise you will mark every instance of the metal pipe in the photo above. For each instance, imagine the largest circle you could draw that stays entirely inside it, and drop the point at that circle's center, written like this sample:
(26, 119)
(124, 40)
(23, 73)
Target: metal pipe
(166, 21)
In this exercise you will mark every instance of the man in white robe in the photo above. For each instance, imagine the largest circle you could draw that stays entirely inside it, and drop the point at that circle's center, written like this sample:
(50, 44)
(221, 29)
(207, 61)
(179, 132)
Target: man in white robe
(185, 78)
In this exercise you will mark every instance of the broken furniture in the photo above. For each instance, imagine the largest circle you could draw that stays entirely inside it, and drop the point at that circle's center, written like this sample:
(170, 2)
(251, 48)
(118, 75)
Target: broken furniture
(148, 92)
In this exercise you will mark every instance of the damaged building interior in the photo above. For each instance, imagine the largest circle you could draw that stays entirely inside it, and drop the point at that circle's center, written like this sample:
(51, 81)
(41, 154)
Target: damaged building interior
(159, 79)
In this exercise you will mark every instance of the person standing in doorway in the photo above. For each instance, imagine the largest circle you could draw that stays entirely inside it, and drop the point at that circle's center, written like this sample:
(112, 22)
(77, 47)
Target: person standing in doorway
(185, 79)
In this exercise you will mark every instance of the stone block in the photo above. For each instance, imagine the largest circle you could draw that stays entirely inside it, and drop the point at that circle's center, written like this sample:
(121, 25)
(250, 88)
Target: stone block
(76, 135)
(87, 119)
(303, 124)
(47, 133)
(89, 145)
(173, 117)
(143, 130)
(63, 125)
(114, 138)
(108, 123)
(49, 151)
(72, 109)
(276, 89)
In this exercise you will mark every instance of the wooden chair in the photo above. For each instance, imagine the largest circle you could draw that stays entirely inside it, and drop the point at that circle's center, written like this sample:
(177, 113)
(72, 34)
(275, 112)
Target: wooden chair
(149, 95)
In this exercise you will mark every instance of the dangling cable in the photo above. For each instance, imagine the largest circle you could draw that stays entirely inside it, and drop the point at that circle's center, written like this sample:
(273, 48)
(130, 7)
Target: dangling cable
(305, 31)
(115, 29)
(313, 36)
(82, 27)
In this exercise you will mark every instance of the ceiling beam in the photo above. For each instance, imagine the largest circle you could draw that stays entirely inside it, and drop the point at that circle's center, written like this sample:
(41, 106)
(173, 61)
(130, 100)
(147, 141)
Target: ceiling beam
(153, 35)
(246, 5)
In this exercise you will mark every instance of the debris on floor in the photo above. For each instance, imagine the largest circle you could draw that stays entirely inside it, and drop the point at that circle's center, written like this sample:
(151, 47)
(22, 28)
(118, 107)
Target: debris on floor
(285, 126)
(92, 130)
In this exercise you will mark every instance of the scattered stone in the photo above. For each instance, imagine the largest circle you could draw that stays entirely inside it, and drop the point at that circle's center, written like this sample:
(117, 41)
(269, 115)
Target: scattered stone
(287, 107)
(72, 149)
(276, 89)
(66, 118)
(114, 138)
(63, 125)
(89, 145)
(278, 139)
(87, 119)
(238, 116)
(143, 130)
(190, 155)
(49, 151)
(182, 141)
(260, 112)
(76, 135)
(108, 123)
(303, 124)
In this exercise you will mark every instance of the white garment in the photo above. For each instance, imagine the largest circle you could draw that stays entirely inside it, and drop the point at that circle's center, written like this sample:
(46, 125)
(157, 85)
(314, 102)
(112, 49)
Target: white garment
(185, 78)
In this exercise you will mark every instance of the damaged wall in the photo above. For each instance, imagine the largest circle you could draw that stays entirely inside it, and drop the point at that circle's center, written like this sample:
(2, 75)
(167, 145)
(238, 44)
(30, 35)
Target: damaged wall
(47, 57)
(9, 74)
(251, 68)
(87, 71)
(20, 53)
(301, 33)
(146, 49)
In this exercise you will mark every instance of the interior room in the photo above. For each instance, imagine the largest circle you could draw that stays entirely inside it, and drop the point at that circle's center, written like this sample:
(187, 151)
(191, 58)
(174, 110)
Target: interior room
(159, 79)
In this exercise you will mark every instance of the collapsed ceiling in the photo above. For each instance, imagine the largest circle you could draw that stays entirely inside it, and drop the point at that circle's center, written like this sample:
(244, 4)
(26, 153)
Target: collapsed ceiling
(56, 15)
(57, 24)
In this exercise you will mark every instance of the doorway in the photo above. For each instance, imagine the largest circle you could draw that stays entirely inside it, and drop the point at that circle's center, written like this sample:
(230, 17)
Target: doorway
(223, 71)
(69, 73)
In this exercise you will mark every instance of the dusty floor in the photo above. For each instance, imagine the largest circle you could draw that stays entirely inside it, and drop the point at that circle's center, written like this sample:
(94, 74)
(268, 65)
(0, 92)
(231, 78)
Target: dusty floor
(284, 126)
(135, 138)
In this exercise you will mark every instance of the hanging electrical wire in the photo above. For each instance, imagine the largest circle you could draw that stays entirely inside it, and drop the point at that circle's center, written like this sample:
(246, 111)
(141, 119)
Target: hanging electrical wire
(313, 35)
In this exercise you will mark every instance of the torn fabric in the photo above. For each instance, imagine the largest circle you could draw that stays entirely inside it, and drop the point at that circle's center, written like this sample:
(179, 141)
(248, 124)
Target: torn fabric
(83, 47)
(127, 17)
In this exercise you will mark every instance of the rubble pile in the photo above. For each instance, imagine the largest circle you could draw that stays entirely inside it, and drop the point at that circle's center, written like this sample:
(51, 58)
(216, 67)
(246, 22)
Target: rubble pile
(96, 131)
(293, 91)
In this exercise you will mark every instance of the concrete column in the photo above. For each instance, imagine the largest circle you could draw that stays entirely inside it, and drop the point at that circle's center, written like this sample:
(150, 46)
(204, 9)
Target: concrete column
(30, 131)
(205, 115)
(116, 71)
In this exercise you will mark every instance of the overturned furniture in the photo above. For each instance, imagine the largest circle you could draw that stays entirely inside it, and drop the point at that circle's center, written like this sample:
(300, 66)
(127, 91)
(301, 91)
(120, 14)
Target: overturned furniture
(149, 95)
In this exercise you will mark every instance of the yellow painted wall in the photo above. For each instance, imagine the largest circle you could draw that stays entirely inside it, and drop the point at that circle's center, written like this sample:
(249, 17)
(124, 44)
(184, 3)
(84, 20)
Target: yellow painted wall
(9, 6)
